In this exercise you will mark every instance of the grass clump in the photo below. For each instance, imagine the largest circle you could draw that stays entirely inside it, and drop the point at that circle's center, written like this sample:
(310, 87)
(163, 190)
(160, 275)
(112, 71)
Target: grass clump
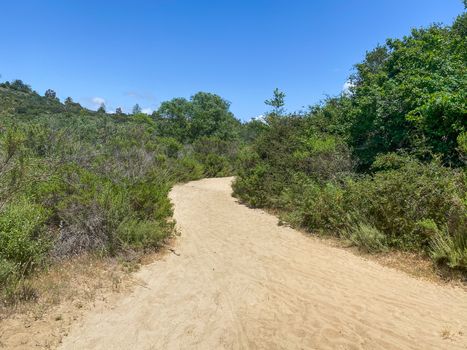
(23, 244)
(450, 249)
(368, 238)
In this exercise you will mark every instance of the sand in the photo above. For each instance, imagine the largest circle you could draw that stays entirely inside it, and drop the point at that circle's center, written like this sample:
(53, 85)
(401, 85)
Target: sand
(237, 280)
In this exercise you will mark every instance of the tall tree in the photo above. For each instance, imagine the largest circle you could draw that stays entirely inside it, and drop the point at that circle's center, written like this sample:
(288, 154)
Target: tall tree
(101, 108)
(410, 94)
(20, 86)
(49, 93)
(173, 119)
(277, 102)
(212, 117)
(137, 109)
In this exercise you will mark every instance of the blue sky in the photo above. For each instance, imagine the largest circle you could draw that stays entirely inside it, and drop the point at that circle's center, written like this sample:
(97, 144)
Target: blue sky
(127, 52)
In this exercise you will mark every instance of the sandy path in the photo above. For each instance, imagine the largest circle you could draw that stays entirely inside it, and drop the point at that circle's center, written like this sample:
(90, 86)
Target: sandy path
(243, 282)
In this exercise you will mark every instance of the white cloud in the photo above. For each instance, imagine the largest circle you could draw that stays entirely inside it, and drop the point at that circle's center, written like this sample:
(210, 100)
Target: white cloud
(147, 110)
(260, 118)
(347, 86)
(98, 100)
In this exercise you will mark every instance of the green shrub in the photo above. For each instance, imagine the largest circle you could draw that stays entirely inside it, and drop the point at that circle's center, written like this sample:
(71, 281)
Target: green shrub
(216, 166)
(95, 208)
(462, 146)
(143, 234)
(323, 158)
(170, 146)
(400, 205)
(149, 198)
(450, 249)
(406, 96)
(9, 272)
(251, 183)
(22, 243)
(397, 199)
(314, 206)
(368, 237)
(96, 181)
(216, 155)
(186, 169)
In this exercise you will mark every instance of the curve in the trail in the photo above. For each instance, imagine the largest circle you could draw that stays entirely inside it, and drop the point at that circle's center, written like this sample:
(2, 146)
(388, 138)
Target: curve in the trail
(240, 281)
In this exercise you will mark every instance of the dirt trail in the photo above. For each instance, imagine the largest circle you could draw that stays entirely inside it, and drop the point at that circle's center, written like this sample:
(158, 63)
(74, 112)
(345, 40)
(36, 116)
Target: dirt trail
(240, 281)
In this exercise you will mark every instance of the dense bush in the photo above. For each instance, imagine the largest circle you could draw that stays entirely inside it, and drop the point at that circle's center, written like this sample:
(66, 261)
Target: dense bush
(411, 94)
(382, 165)
(386, 208)
(142, 234)
(316, 207)
(397, 200)
(216, 155)
(23, 244)
(287, 151)
(74, 181)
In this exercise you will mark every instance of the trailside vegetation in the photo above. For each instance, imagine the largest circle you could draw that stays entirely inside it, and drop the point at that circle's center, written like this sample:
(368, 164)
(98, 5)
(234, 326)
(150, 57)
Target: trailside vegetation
(383, 164)
(74, 180)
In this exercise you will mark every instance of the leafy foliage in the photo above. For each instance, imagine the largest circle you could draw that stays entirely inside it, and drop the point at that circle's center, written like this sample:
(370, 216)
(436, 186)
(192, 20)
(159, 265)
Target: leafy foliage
(74, 180)
(382, 165)
(411, 94)
(204, 115)
(277, 102)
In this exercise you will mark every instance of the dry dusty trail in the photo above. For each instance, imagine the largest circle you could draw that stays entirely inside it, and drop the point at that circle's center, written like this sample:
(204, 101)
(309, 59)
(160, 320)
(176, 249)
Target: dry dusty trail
(240, 281)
